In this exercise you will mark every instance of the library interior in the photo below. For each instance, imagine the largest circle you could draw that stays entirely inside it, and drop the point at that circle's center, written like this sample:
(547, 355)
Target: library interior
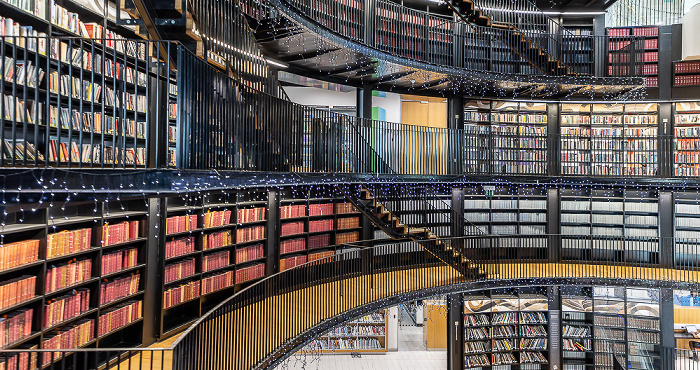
(350, 184)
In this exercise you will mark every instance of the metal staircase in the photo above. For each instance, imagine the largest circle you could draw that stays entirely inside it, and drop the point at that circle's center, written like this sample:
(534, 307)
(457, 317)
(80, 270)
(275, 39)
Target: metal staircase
(447, 251)
(514, 38)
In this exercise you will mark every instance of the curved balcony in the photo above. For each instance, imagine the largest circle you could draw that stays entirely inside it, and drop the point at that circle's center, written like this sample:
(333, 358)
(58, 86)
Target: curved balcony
(396, 48)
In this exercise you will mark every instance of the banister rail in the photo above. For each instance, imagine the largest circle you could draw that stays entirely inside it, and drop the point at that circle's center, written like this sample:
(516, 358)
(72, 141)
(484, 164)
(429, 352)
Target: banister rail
(261, 324)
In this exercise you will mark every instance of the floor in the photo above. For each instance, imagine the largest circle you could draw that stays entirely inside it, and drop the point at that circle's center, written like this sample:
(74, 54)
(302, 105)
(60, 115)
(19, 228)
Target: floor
(411, 355)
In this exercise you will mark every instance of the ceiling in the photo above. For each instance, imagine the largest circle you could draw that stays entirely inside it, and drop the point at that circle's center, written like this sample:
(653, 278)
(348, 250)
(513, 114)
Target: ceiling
(574, 5)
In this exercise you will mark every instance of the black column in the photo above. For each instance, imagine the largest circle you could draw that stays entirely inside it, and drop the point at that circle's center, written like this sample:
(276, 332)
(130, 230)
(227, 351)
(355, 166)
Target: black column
(153, 272)
(364, 102)
(600, 47)
(369, 17)
(457, 205)
(553, 225)
(458, 42)
(273, 227)
(665, 140)
(455, 333)
(666, 246)
(669, 50)
(553, 147)
(554, 328)
(668, 342)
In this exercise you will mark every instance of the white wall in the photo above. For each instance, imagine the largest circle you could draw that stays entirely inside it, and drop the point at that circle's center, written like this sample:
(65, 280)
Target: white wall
(322, 97)
(392, 104)
(691, 30)
(392, 329)
(327, 98)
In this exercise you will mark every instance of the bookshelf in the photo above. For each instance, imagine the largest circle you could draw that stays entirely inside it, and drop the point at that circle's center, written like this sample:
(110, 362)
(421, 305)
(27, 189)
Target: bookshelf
(506, 137)
(686, 73)
(609, 139)
(642, 53)
(627, 325)
(505, 327)
(578, 351)
(366, 334)
(66, 258)
(81, 101)
(214, 243)
(578, 50)
(611, 225)
(314, 223)
(511, 210)
(686, 139)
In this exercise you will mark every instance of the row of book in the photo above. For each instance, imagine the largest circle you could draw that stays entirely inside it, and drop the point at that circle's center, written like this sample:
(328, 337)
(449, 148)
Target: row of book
(292, 245)
(607, 333)
(24, 360)
(17, 290)
(476, 320)
(120, 316)
(686, 80)
(505, 317)
(532, 358)
(477, 116)
(476, 333)
(643, 336)
(15, 326)
(120, 233)
(217, 218)
(690, 170)
(321, 225)
(344, 208)
(22, 72)
(287, 263)
(577, 345)
(476, 347)
(292, 228)
(67, 242)
(250, 234)
(540, 156)
(322, 209)
(319, 241)
(217, 240)
(86, 153)
(66, 307)
(250, 273)
(477, 360)
(178, 224)
(111, 291)
(217, 282)
(179, 247)
(216, 261)
(76, 336)
(292, 211)
(538, 344)
(18, 254)
(325, 256)
(519, 118)
(119, 260)
(250, 215)
(576, 331)
(180, 270)
(354, 344)
(344, 238)
(687, 66)
(507, 130)
(250, 253)
(68, 274)
(183, 293)
(348, 223)
(691, 132)
(506, 358)
(357, 330)
(509, 168)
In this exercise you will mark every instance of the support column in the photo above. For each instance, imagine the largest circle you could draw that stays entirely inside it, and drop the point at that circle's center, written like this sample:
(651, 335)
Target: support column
(666, 246)
(458, 42)
(457, 205)
(455, 333)
(553, 147)
(553, 225)
(600, 47)
(554, 328)
(364, 102)
(668, 342)
(369, 15)
(665, 140)
(670, 49)
(153, 272)
(273, 226)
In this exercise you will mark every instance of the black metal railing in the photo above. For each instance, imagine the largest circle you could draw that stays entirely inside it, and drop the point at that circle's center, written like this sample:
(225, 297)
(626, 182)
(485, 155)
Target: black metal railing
(290, 308)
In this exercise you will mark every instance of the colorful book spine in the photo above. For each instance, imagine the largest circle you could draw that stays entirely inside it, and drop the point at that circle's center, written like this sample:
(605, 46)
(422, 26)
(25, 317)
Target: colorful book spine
(120, 260)
(250, 253)
(179, 224)
(76, 336)
(320, 226)
(343, 208)
(179, 270)
(287, 263)
(217, 240)
(250, 215)
(343, 238)
(215, 261)
(119, 317)
(217, 218)
(181, 294)
(19, 253)
(292, 211)
(120, 233)
(69, 274)
(324, 209)
(113, 290)
(67, 307)
(248, 234)
(179, 247)
(292, 228)
(292, 245)
(217, 282)
(15, 326)
(319, 241)
(250, 273)
(67, 242)
(348, 223)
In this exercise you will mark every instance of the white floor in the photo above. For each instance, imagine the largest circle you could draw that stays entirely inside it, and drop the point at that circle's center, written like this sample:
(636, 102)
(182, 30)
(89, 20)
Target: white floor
(412, 355)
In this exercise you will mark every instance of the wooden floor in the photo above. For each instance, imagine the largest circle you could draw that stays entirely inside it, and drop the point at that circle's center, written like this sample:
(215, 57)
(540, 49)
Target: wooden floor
(242, 337)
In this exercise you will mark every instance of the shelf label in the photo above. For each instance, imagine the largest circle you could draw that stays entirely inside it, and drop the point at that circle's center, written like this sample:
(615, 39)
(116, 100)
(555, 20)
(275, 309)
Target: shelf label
(489, 190)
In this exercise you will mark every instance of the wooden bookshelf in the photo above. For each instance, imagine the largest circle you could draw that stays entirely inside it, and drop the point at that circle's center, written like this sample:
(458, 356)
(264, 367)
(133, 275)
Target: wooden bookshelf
(626, 49)
(687, 139)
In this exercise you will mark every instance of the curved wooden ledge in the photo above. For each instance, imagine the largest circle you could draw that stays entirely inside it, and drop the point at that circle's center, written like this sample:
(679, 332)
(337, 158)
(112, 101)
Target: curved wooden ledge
(283, 323)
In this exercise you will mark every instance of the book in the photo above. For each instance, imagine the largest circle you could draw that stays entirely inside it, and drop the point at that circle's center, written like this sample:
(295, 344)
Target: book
(118, 261)
(18, 254)
(68, 274)
(112, 290)
(119, 316)
(60, 309)
(180, 270)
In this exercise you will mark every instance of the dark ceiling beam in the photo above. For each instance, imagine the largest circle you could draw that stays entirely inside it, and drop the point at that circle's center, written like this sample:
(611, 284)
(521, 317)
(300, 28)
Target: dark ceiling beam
(389, 77)
(356, 67)
(308, 55)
